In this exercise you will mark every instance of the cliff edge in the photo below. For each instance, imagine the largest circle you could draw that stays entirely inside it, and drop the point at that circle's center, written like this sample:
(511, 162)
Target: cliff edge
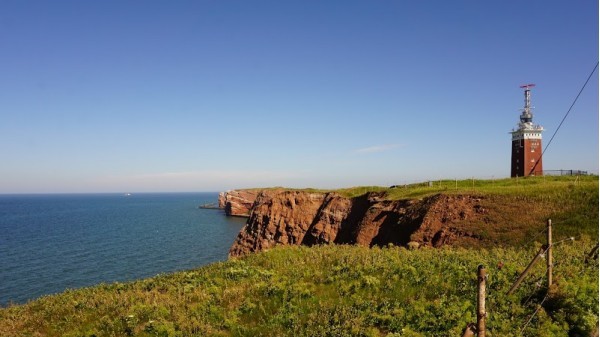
(303, 218)
(238, 202)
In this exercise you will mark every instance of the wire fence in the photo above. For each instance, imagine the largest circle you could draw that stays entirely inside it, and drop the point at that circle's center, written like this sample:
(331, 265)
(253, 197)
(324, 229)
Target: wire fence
(545, 252)
(565, 173)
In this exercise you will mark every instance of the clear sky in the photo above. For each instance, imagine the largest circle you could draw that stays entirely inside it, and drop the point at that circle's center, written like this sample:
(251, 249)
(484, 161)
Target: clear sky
(140, 96)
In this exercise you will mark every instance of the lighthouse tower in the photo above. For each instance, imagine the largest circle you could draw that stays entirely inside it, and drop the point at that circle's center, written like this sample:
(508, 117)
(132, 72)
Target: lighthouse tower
(526, 158)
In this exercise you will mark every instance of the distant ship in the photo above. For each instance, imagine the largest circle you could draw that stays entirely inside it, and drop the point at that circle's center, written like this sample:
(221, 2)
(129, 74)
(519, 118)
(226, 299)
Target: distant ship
(127, 194)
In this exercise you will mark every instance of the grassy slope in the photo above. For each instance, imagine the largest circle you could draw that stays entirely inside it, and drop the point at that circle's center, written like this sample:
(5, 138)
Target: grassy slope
(351, 291)
(327, 291)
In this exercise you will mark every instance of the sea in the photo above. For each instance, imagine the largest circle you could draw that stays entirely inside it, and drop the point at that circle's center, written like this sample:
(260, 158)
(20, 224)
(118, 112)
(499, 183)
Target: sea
(50, 243)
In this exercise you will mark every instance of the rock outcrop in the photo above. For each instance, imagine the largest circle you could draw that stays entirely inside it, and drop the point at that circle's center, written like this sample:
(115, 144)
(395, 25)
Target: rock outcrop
(238, 202)
(302, 218)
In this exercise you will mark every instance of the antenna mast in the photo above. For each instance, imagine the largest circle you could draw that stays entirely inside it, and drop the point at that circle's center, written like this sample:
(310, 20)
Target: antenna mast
(527, 116)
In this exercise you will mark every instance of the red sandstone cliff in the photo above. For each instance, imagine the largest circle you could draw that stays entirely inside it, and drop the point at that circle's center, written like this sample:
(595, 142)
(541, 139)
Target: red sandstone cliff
(303, 218)
(238, 202)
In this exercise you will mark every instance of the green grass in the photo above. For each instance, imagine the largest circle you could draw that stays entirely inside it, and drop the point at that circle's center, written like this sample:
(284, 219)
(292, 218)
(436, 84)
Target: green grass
(328, 291)
(530, 186)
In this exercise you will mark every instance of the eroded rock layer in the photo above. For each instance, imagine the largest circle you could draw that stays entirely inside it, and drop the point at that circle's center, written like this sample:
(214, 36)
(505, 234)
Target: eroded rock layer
(303, 218)
(238, 202)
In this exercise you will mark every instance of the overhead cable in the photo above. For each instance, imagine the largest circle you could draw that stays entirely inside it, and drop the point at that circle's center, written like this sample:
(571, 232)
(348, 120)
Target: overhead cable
(565, 117)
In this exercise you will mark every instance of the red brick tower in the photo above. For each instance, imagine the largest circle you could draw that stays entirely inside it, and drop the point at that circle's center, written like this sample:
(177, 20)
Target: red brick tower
(526, 159)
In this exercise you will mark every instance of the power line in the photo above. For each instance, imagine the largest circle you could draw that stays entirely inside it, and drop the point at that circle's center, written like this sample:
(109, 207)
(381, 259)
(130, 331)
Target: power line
(565, 117)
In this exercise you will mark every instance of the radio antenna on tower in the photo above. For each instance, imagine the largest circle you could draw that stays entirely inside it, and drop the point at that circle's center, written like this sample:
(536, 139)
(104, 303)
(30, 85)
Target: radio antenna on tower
(527, 115)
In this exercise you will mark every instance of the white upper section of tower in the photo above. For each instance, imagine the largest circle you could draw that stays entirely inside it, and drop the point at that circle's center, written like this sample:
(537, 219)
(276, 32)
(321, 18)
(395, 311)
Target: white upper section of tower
(527, 134)
(526, 119)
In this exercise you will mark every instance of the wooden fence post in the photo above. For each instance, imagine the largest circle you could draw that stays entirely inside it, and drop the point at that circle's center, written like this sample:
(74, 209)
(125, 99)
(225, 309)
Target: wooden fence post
(522, 276)
(593, 254)
(470, 330)
(549, 255)
(481, 314)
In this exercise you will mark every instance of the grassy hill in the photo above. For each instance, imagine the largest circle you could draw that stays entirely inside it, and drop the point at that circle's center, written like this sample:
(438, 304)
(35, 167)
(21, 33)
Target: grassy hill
(329, 291)
(358, 291)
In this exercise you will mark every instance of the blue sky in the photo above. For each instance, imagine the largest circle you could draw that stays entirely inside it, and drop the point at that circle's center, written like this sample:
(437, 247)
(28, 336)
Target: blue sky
(140, 96)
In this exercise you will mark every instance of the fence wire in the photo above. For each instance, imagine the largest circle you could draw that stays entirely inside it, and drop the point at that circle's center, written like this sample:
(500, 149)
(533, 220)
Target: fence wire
(492, 294)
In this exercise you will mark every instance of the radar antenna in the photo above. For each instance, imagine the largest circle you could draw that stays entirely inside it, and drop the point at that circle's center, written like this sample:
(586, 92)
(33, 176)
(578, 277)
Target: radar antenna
(527, 116)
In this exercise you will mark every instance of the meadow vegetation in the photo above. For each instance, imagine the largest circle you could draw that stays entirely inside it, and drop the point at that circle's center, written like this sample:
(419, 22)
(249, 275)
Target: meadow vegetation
(330, 291)
(341, 290)
(530, 186)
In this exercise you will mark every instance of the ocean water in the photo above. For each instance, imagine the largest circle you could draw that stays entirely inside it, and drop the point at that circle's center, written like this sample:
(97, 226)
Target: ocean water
(49, 243)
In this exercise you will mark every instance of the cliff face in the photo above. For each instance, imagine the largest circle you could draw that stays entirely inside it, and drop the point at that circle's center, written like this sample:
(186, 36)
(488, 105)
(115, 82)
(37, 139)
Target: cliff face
(302, 218)
(238, 202)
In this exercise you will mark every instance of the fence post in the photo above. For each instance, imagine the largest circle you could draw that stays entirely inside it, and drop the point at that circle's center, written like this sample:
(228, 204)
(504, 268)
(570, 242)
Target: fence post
(481, 314)
(592, 255)
(549, 255)
(470, 330)
(522, 276)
